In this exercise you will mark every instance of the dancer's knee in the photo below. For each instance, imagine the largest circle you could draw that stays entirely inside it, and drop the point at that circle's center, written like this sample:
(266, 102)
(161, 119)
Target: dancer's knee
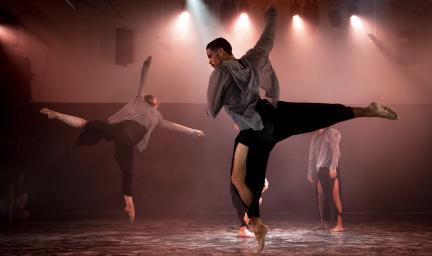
(237, 181)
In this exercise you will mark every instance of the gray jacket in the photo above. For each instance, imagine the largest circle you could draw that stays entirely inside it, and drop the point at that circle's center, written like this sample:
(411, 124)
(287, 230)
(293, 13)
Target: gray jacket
(235, 83)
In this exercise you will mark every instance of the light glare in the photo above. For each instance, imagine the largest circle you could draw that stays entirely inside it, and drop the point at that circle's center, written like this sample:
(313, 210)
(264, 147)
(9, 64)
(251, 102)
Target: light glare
(356, 22)
(181, 26)
(297, 22)
(184, 18)
(243, 21)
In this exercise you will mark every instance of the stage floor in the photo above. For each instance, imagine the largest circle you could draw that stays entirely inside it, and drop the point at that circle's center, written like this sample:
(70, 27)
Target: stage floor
(200, 234)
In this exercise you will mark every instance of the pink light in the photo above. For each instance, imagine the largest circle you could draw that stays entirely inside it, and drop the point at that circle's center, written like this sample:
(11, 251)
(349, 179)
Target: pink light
(297, 22)
(2, 31)
(243, 21)
(184, 18)
(242, 32)
(356, 22)
(6, 35)
(181, 26)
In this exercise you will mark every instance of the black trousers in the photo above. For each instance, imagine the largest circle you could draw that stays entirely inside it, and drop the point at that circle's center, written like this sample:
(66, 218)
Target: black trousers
(125, 135)
(280, 123)
(327, 185)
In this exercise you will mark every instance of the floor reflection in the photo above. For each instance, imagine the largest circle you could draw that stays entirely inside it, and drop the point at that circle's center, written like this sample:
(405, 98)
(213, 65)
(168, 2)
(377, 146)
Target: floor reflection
(212, 235)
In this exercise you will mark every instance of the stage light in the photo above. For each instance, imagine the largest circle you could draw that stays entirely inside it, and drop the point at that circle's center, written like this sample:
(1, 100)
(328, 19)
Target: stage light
(2, 32)
(297, 22)
(242, 21)
(184, 18)
(182, 26)
(9, 27)
(356, 22)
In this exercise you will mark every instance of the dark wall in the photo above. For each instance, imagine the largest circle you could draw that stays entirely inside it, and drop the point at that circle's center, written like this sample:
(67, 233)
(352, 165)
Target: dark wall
(385, 165)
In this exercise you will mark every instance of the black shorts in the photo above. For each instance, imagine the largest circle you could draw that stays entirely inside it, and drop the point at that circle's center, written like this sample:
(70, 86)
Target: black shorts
(126, 132)
(125, 135)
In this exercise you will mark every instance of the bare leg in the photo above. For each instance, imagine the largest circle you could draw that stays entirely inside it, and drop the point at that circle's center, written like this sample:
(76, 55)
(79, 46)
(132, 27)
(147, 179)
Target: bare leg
(338, 202)
(260, 230)
(375, 110)
(320, 199)
(246, 218)
(238, 178)
(68, 119)
(238, 175)
(129, 208)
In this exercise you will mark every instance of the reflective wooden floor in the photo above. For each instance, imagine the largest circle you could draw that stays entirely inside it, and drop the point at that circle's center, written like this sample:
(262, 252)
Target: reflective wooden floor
(213, 235)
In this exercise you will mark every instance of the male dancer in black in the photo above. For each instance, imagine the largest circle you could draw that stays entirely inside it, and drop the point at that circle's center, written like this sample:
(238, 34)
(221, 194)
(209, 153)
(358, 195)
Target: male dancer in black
(234, 84)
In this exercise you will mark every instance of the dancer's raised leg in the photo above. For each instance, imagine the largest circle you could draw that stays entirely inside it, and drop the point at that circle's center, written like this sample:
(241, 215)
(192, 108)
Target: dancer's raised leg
(73, 121)
(375, 110)
(294, 118)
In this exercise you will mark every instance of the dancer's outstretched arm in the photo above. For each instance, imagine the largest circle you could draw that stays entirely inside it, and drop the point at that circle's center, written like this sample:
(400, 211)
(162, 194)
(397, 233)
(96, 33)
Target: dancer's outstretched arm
(259, 56)
(144, 71)
(180, 128)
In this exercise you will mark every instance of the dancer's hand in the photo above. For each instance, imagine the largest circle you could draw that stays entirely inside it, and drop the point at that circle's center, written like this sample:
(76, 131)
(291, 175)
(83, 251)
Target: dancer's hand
(333, 173)
(148, 61)
(271, 6)
(310, 178)
(198, 133)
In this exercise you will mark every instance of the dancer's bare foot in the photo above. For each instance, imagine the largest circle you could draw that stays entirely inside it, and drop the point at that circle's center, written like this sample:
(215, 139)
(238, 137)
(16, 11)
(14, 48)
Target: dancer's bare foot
(129, 208)
(338, 228)
(50, 113)
(260, 230)
(244, 232)
(377, 110)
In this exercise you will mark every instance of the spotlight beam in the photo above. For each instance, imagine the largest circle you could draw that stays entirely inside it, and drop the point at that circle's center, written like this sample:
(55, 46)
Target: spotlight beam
(386, 51)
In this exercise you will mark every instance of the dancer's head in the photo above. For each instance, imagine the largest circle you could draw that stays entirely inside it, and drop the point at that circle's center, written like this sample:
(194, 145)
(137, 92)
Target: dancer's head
(151, 100)
(218, 51)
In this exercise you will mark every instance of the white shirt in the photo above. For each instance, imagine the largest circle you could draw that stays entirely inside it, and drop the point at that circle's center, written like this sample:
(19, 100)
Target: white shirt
(324, 150)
